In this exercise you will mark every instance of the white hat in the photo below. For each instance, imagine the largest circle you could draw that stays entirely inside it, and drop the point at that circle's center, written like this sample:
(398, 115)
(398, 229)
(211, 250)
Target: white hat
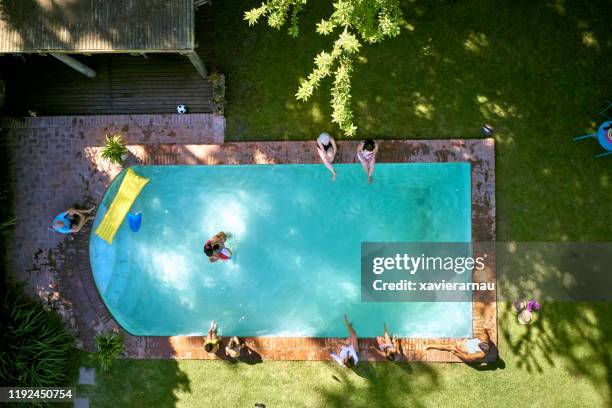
(324, 139)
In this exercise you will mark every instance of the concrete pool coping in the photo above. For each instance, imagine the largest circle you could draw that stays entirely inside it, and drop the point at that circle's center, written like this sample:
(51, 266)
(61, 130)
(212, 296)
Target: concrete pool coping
(479, 152)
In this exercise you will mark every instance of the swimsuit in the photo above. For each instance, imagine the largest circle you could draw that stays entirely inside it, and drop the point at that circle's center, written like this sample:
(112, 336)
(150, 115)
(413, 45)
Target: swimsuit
(383, 347)
(214, 343)
(67, 220)
(366, 155)
(344, 351)
(472, 346)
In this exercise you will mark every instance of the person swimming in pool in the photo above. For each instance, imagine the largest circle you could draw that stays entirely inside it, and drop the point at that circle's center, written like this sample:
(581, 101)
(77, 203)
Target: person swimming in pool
(348, 351)
(215, 248)
(387, 346)
(211, 343)
(71, 221)
(366, 153)
(326, 146)
(468, 350)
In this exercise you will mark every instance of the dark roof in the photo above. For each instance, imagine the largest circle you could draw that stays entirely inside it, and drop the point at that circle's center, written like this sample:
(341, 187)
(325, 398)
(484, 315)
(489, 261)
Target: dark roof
(96, 25)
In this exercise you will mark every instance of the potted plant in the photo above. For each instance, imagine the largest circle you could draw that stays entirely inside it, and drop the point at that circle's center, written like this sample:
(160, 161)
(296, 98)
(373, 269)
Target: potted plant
(114, 149)
(109, 346)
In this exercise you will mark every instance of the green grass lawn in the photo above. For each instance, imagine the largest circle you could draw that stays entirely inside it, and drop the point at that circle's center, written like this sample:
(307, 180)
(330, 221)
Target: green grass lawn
(562, 361)
(538, 72)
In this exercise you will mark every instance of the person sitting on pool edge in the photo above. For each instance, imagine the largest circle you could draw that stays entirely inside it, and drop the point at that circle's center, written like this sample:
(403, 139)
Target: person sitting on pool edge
(348, 352)
(211, 343)
(366, 153)
(72, 220)
(387, 346)
(468, 350)
(326, 146)
(234, 348)
(215, 248)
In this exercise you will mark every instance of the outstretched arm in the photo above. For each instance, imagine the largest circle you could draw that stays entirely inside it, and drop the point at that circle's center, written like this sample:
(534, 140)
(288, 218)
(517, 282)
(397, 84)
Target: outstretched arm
(459, 353)
(468, 358)
(377, 351)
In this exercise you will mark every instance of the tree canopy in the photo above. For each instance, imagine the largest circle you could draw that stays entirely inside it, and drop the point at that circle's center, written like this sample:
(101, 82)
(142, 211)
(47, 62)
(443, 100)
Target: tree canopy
(355, 22)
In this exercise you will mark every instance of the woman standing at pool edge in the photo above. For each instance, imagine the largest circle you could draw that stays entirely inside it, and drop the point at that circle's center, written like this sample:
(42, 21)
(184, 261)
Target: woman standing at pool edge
(326, 146)
(366, 153)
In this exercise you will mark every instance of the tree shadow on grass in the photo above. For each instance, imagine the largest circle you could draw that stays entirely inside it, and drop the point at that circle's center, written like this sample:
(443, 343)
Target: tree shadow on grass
(575, 335)
(386, 384)
(138, 383)
(570, 330)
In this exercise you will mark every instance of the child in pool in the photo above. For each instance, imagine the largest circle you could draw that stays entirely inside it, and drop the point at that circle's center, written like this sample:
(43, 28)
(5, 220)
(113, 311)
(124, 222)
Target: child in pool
(215, 248)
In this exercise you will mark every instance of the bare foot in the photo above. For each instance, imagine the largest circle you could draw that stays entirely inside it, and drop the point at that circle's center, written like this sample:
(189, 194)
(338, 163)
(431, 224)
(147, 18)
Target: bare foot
(334, 177)
(370, 179)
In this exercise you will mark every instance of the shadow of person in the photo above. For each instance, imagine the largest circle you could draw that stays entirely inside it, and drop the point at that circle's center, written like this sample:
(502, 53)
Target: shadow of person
(498, 364)
(250, 356)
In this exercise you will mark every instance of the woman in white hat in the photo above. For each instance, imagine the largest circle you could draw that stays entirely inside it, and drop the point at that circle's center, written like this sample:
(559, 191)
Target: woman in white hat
(326, 146)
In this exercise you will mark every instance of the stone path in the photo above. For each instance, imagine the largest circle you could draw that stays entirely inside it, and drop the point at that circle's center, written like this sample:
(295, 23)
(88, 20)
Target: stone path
(56, 167)
(87, 376)
(199, 128)
(81, 402)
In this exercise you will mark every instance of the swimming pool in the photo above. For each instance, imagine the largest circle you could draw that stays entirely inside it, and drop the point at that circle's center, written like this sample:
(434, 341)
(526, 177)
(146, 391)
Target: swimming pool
(296, 238)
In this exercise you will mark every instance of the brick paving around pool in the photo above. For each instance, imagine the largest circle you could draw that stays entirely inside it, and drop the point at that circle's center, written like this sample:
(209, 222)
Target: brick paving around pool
(56, 169)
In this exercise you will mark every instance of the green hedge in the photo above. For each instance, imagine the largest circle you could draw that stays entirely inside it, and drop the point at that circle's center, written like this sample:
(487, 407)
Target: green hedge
(37, 350)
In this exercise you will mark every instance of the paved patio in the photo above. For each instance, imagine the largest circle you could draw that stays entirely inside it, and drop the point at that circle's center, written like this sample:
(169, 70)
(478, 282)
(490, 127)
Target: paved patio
(54, 168)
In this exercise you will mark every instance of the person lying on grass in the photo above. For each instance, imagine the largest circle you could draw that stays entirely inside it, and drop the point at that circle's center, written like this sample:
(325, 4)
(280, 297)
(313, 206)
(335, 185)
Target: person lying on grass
(211, 343)
(72, 220)
(326, 146)
(348, 352)
(468, 350)
(387, 346)
(366, 154)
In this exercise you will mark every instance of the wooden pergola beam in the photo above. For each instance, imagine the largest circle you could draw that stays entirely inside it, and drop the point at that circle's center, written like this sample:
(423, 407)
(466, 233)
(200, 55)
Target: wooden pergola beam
(198, 64)
(73, 63)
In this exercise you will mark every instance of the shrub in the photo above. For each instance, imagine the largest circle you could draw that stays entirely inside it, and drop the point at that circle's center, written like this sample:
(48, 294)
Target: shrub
(36, 348)
(109, 346)
(114, 148)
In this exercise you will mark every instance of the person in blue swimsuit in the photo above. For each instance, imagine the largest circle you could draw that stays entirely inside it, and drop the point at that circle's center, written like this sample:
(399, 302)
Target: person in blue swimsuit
(468, 350)
(348, 351)
(387, 346)
(72, 220)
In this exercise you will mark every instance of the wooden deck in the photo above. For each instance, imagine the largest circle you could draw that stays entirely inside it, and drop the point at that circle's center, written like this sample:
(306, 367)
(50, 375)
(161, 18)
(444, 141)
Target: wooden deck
(125, 84)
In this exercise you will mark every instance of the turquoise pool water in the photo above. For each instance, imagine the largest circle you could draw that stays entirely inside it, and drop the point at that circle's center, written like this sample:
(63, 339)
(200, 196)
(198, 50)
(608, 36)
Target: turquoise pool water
(296, 240)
